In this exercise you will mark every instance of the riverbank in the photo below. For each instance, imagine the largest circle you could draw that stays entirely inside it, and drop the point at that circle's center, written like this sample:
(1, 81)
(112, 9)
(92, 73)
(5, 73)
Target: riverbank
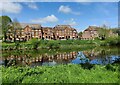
(59, 44)
(62, 74)
(49, 44)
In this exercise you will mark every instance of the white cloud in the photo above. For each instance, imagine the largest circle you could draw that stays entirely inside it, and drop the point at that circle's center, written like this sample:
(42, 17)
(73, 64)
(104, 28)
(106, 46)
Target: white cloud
(67, 10)
(71, 22)
(31, 5)
(10, 7)
(51, 19)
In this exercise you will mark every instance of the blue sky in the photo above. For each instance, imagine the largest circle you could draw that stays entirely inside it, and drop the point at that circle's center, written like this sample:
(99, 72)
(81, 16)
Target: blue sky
(77, 14)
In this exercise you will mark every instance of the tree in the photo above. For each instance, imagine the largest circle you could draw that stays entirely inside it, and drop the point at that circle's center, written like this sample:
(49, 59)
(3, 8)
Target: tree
(116, 30)
(35, 43)
(16, 26)
(103, 32)
(80, 34)
(5, 23)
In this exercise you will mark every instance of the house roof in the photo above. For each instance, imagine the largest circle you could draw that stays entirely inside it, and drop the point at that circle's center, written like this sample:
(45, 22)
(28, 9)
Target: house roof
(93, 28)
(62, 27)
(23, 25)
(47, 28)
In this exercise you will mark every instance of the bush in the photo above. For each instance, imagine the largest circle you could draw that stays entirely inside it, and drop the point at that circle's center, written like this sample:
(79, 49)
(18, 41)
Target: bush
(35, 43)
(53, 44)
(110, 67)
(111, 41)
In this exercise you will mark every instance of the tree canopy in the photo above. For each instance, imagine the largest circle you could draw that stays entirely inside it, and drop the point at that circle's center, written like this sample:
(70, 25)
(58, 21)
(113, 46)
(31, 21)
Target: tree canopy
(5, 22)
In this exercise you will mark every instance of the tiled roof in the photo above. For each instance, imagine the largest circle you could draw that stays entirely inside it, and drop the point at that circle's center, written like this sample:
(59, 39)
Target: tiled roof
(62, 27)
(95, 28)
(33, 26)
(47, 28)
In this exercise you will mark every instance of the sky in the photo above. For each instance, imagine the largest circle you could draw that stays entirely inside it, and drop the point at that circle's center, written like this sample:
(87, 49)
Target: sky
(79, 15)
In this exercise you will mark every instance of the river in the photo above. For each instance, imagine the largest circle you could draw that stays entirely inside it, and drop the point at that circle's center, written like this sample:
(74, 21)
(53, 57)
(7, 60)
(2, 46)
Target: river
(98, 55)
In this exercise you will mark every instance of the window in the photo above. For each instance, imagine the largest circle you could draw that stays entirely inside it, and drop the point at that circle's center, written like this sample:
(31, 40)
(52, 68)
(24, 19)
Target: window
(32, 33)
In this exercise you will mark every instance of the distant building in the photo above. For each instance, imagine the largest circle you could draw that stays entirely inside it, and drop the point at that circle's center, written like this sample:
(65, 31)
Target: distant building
(90, 33)
(47, 33)
(65, 32)
(93, 32)
(29, 31)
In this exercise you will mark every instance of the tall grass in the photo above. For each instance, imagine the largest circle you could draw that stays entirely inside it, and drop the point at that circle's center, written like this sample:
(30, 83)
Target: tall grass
(111, 41)
(61, 74)
(51, 44)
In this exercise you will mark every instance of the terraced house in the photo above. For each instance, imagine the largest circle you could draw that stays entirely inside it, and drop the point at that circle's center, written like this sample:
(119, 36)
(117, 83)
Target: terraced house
(47, 33)
(29, 31)
(65, 32)
(90, 33)
(93, 32)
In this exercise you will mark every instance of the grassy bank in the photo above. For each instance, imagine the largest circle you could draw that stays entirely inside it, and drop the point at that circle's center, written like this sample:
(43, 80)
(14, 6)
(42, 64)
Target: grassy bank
(49, 44)
(61, 74)
(58, 44)
(111, 41)
(35, 53)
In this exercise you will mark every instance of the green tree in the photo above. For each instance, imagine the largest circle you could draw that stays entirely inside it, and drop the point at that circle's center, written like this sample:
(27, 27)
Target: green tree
(35, 43)
(16, 26)
(5, 23)
(104, 32)
(80, 34)
(116, 30)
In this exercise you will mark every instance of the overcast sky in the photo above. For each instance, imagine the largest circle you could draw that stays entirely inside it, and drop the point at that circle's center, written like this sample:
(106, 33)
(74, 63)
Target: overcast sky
(77, 14)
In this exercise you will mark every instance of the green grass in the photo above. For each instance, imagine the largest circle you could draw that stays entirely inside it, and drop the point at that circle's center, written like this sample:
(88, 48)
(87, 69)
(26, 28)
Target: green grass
(50, 44)
(60, 74)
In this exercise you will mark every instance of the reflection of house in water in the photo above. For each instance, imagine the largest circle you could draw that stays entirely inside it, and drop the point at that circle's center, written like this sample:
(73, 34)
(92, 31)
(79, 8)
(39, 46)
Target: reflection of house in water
(27, 60)
(100, 57)
(90, 54)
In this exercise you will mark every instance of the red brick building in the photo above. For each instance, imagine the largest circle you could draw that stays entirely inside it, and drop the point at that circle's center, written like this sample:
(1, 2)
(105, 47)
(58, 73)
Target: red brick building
(29, 31)
(65, 32)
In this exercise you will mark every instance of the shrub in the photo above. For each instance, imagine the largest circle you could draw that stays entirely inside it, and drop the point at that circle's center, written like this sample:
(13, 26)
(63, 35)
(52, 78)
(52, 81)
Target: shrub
(53, 45)
(35, 43)
(111, 41)
(110, 67)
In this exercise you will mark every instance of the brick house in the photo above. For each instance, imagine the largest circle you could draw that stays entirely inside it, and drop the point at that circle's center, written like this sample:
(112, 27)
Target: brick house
(65, 32)
(29, 31)
(47, 33)
(90, 33)
(93, 32)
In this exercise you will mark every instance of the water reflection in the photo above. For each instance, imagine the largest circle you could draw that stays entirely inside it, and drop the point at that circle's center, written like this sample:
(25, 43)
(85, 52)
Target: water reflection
(88, 57)
(45, 59)
(95, 56)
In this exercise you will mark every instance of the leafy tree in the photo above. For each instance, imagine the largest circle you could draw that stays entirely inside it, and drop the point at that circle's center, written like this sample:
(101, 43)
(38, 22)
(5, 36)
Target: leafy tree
(104, 32)
(80, 34)
(16, 26)
(35, 43)
(5, 23)
(116, 30)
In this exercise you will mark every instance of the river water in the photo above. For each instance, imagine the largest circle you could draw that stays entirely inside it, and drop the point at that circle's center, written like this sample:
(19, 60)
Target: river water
(98, 55)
